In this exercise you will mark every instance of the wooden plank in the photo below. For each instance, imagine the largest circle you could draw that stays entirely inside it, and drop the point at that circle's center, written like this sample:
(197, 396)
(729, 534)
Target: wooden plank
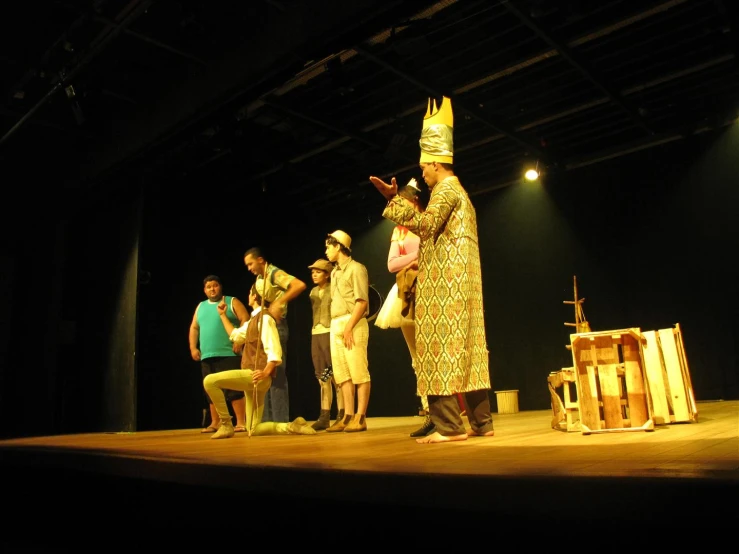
(647, 426)
(598, 352)
(587, 388)
(610, 393)
(678, 393)
(610, 390)
(590, 377)
(654, 371)
(686, 370)
(635, 388)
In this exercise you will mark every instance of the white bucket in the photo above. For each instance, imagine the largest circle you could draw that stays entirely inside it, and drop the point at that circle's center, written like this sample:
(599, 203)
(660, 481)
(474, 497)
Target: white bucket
(507, 401)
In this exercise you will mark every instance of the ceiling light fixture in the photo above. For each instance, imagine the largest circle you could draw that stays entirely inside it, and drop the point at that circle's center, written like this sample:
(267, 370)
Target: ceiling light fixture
(532, 173)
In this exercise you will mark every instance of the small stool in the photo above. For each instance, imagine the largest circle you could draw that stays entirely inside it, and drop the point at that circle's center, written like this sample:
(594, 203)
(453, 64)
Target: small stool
(565, 412)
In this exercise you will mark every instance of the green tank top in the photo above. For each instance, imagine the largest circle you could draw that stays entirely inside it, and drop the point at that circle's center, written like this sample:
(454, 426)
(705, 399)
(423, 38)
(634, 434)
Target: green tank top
(214, 340)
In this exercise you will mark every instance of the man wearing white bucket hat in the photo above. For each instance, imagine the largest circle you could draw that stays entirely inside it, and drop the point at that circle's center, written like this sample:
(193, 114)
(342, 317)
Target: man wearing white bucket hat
(349, 331)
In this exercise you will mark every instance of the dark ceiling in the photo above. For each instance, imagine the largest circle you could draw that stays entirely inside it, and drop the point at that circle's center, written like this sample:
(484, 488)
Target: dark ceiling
(302, 101)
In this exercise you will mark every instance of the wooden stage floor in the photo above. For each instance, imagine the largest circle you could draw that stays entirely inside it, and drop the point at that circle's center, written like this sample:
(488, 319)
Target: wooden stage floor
(168, 483)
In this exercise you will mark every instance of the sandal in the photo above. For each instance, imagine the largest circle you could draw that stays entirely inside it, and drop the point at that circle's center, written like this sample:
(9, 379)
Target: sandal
(209, 430)
(240, 429)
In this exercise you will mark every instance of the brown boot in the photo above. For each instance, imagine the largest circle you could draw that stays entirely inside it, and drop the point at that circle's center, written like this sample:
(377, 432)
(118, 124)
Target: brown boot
(341, 424)
(358, 423)
(339, 416)
(323, 421)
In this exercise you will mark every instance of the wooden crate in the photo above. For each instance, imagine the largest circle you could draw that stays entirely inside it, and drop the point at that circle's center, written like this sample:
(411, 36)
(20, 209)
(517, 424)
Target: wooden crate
(668, 377)
(611, 387)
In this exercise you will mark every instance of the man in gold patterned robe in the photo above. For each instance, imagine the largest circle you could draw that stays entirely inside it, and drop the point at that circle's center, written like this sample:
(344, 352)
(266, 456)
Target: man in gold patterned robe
(450, 327)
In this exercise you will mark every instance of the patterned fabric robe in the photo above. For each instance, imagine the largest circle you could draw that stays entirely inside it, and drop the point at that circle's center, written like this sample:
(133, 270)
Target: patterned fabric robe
(450, 327)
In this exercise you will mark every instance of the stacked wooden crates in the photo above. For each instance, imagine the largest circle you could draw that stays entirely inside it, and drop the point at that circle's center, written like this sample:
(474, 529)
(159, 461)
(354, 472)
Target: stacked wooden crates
(627, 380)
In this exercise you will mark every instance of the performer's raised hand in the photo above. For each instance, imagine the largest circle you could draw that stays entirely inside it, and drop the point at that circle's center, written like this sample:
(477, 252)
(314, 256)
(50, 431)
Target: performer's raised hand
(388, 191)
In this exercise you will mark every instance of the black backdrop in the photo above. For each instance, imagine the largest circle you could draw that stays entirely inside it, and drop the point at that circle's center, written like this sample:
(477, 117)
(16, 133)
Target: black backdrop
(103, 288)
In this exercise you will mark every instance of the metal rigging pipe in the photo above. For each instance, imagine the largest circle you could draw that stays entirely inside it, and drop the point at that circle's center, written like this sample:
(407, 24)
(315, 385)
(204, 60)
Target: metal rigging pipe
(132, 11)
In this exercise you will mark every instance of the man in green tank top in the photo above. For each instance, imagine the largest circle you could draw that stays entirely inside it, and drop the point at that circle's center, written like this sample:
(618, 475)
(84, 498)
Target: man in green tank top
(211, 346)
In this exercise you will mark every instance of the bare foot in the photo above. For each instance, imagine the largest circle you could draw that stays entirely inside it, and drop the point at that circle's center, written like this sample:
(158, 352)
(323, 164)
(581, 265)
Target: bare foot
(436, 437)
(473, 433)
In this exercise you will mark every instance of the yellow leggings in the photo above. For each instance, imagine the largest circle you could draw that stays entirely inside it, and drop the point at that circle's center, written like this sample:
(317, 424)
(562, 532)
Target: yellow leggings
(241, 379)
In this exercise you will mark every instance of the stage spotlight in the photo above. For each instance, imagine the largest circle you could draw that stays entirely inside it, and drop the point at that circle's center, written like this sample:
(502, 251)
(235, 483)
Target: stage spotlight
(532, 173)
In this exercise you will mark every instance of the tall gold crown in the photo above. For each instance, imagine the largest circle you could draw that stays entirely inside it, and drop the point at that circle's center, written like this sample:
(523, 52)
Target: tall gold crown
(437, 133)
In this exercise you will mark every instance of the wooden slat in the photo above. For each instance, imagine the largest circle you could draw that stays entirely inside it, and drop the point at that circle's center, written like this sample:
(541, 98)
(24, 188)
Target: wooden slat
(635, 388)
(587, 388)
(610, 390)
(685, 370)
(673, 366)
(654, 370)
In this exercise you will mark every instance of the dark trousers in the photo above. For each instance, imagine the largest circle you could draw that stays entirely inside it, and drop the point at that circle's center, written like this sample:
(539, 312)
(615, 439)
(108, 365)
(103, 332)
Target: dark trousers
(277, 400)
(447, 415)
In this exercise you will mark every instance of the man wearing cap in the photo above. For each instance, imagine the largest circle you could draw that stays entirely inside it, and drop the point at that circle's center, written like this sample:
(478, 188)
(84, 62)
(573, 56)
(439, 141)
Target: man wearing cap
(320, 346)
(278, 288)
(349, 332)
(451, 345)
